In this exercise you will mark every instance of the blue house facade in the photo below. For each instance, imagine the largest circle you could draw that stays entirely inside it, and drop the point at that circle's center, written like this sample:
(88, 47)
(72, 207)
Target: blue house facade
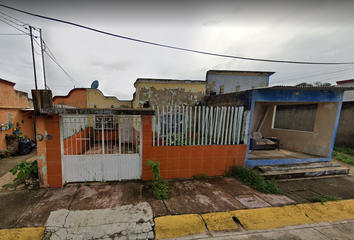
(304, 120)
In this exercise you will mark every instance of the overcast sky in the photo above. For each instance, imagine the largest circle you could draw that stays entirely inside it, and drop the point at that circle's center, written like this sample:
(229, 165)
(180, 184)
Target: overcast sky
(285, 30)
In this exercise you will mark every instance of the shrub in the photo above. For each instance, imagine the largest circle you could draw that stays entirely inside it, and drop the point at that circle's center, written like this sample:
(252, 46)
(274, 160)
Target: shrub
(29, 169)
(253, 179)
(159, 186)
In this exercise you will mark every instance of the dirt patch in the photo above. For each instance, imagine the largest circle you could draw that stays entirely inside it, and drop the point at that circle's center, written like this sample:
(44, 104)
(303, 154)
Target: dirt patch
(15, 204)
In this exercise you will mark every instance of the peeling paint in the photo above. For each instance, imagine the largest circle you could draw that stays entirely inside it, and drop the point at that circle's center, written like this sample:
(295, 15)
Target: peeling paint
(44, 171)
(329, 105)
(42, 158)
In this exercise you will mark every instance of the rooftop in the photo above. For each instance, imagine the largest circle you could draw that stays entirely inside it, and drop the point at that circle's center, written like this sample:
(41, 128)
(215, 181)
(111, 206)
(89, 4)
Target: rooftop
(156, 80)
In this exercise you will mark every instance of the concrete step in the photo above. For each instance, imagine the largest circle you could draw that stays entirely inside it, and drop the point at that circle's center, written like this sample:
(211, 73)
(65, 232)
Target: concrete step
(304, 173)
(296, 166)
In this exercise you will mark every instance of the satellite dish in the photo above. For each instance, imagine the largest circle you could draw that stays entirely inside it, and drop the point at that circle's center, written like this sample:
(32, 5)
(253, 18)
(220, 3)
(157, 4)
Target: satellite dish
(94, 84)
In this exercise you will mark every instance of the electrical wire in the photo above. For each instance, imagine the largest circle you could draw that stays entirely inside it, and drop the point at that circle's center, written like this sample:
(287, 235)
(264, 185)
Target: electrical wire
(13, 26)
(12, 34)
(174, 47)
(311, 74)
(20, 25)
(45, 47)
(51, 55)
(14, 19)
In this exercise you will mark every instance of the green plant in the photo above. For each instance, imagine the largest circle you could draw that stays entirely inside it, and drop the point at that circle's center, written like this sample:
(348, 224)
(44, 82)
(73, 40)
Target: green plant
(24, 168)
(179, 142)
(323, 198)
(6, 185)
(345, 150)
(200, 176)
(8, 151)
(253, 179)
(21, 137)
(87, 184)
(78, 186)
(343, 158)
(159, 186)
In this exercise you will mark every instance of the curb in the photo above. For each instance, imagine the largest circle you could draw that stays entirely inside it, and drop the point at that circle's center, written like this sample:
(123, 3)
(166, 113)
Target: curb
(30, 233)
(215, 224)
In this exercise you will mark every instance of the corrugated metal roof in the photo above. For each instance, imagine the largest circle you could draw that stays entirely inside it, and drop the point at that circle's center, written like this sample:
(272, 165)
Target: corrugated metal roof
(309, 88)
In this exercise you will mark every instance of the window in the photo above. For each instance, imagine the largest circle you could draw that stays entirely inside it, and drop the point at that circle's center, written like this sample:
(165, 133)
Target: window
(299, 117)
(105, 121)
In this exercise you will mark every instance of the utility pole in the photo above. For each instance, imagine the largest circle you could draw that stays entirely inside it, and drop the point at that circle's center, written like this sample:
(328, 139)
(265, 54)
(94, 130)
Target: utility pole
(33, 57)
(42, 48)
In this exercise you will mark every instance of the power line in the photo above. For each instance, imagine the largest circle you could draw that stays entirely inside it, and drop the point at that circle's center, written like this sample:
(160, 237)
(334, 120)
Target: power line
(13, 26)
(12, 34)
(46, 47)
(173, 47)
(20, 25)
(14, 19)
(51, 55)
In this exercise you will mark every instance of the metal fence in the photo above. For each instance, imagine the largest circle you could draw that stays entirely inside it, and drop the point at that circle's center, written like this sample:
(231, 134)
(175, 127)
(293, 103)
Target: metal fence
(182, 125)
(100, 134)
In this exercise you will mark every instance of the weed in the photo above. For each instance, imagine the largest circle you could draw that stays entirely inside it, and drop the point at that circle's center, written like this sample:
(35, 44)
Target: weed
(6, 185)
(159, 186)
(176, 179)
(343, 158)
(24, 168)
(87, 184)
(200, 176)
(78, 186)
(323, 198)
(253, 179)
(112, 183)
(345, 150)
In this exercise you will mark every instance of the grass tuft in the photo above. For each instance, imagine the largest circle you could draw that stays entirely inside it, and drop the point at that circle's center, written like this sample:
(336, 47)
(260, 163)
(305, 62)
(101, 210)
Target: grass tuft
(343, 158)
(344, 150)
(323, 198)
(253, 179)
(200, 176)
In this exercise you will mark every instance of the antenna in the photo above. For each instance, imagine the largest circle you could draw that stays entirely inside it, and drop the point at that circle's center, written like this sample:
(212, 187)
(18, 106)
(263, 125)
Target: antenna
(94, 84)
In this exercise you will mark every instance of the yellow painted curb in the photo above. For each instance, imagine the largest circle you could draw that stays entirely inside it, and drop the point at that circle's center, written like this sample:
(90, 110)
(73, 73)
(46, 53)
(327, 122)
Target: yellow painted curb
(31, 233)
(270, 218)
(220, 222)
(179, 226)
(329, 211)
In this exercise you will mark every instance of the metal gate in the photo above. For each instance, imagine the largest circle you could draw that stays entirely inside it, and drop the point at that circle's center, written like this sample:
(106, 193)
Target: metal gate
(100, 147)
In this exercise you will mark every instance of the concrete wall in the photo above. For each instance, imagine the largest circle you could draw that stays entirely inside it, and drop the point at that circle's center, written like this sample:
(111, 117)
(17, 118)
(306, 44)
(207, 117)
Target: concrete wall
(12, 105)
(229, 81)
(230, 99)
(168, 92)
(317, 142)
(345, 133)
(89, 98)
(95, 99)
(76, 99)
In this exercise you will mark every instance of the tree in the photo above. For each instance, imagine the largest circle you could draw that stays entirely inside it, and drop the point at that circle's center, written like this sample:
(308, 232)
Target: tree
(316, 84)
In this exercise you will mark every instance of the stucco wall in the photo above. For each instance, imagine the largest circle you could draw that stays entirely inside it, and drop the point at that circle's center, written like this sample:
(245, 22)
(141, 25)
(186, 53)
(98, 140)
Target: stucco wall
(11, 103)
(76, 98)
(345, 133)
(232, 82)
(317, 142)
(168, 93)
(95, 98)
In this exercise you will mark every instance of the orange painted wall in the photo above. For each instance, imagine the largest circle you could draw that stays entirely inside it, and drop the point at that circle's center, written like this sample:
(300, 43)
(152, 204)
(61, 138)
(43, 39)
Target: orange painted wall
(76, 98)
(53, 153)
(26, 128)
(75, 144)
(187, 161)
(11, 103)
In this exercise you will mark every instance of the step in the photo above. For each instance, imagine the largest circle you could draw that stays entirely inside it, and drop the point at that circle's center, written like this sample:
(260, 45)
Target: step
(296, 166)
(304, 173)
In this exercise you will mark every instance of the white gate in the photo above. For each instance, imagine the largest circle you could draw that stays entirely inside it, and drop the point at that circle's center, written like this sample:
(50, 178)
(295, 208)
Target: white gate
(100, 147)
